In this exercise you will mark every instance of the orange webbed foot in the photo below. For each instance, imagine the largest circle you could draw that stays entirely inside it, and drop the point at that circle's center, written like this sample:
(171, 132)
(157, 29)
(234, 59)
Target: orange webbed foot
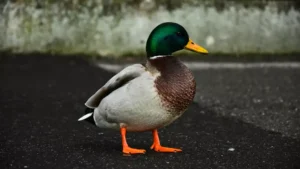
(157, 147)
(162, 149)
(126, 148)
(129, 150)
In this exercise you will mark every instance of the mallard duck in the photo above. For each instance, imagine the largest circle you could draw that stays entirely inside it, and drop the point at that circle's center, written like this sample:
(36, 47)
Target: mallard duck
(147, 97)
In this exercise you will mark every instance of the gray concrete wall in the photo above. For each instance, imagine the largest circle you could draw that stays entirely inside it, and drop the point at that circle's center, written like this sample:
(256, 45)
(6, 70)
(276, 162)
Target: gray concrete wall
(234, 29)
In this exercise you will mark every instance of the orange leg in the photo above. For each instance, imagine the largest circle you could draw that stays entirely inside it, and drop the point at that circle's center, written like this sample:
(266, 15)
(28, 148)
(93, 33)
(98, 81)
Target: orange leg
(126, 148)
(157, 147)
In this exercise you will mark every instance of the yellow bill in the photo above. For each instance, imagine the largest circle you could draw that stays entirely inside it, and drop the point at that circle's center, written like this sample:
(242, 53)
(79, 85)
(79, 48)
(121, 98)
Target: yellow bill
(194, 47)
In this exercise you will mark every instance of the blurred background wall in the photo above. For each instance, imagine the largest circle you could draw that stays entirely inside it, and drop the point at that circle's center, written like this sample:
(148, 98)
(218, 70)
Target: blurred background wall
(121, 27)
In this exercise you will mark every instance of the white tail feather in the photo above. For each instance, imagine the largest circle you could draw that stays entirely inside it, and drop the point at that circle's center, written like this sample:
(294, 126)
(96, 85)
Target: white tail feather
(85, 116)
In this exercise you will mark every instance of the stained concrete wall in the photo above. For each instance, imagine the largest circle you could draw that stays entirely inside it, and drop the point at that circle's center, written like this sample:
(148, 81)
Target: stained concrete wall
(234, 29)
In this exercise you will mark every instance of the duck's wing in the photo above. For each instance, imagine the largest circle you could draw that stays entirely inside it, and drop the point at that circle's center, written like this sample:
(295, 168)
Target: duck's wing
(123, 77)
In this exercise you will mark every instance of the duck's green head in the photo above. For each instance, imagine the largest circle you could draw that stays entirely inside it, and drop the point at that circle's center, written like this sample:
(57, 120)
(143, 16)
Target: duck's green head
(168, 38)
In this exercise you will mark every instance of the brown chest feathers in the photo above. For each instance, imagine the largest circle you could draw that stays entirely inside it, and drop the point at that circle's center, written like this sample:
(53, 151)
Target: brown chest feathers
(175, 85)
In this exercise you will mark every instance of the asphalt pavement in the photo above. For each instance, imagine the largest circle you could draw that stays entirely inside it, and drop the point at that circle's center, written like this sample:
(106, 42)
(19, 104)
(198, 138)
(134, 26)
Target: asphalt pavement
(246, 118)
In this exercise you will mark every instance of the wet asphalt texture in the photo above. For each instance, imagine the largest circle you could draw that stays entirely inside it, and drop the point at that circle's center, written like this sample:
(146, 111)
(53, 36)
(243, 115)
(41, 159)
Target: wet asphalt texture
(240, 119)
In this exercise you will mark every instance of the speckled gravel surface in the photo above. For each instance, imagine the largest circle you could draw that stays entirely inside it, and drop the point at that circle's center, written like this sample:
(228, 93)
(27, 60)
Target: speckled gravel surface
(266, 97)
(229, 126)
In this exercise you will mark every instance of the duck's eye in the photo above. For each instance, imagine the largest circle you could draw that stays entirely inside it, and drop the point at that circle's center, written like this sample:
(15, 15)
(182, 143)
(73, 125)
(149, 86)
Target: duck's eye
(179, 34)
